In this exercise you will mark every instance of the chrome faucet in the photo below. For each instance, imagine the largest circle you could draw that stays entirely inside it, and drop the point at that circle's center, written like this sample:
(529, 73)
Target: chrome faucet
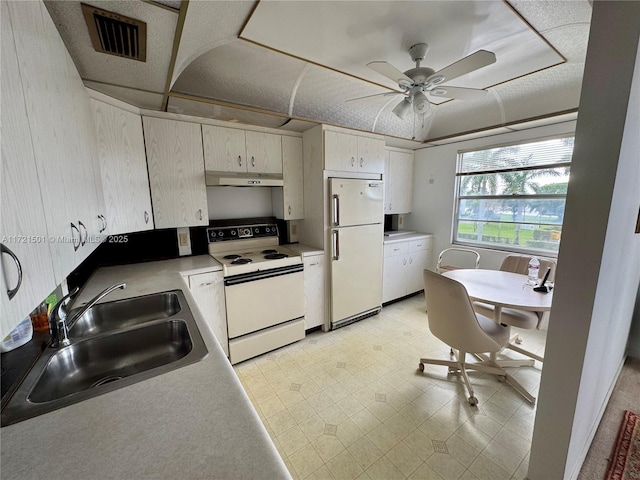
(59, 326)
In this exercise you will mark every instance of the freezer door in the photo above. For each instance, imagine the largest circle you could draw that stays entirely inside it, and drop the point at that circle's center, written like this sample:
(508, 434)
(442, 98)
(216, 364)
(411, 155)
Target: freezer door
(356, 202)
(356, 270)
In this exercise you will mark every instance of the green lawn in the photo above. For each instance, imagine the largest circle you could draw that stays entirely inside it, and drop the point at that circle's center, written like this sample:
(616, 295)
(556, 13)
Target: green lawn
(501, 231)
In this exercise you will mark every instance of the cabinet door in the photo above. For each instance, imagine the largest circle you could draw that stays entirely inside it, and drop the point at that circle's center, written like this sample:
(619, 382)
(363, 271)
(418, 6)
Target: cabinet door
(370, 155)
(208, 290)
(417, 262)
(264, 152)
(401, 179)
(22, 220)
(62, 135)
(314, 289)
(293, 200)
(387, 183)
(340, 152)
(176, 172)
(224, 149)
(394, 281)
(123, 167)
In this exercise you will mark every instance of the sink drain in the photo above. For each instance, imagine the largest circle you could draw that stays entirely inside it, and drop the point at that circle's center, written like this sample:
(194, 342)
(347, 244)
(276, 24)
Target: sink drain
(105, 380)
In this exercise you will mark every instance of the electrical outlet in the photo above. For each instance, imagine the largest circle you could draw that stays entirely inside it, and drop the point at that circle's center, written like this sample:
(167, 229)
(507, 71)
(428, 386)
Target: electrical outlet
(184, 242)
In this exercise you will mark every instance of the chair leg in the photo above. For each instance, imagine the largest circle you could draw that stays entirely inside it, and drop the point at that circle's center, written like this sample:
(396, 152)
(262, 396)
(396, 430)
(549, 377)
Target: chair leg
(520, 389)
(516, 348)
(507, 363)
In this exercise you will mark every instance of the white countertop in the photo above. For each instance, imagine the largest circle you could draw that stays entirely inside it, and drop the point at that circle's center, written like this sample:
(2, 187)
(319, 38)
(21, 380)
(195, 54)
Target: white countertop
(305, 250)
(193, 422)
(405, 237)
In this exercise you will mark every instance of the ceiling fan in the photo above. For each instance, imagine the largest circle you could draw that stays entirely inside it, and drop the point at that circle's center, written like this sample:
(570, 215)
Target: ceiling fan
(416, 82)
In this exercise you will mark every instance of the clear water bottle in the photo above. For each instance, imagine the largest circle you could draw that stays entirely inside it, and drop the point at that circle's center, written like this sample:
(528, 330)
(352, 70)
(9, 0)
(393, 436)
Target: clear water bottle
(534, 270)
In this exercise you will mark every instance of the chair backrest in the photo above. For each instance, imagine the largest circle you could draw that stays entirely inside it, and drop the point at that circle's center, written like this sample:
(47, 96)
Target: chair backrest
(451, 316)
(520, 264)
(456, 257)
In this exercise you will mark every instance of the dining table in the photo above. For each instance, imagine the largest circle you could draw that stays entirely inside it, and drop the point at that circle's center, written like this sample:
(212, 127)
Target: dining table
(505, 290)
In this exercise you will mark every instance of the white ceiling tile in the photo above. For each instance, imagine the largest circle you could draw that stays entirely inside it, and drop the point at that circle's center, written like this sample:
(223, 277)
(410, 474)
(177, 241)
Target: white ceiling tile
(207, 25)
(545, 15)
(242, 73)
(150, 75)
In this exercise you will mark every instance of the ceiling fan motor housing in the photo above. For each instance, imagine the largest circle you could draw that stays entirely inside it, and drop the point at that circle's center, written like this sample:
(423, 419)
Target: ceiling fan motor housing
(419, 74)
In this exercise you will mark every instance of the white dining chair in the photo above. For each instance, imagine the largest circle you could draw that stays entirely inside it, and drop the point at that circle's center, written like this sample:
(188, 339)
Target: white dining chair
(452, 319)
(457, 257)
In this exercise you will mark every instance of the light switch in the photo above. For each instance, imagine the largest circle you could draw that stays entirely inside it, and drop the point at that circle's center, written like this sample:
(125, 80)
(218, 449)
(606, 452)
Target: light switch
(184, 242)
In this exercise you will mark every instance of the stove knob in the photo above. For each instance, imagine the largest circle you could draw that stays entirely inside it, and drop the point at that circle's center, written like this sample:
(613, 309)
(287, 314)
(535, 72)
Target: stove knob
(233, 233)
(219, 234)
(257, 230)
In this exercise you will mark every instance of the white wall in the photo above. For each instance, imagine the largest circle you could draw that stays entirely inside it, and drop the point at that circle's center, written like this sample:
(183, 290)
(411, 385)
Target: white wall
(633, 346)
(239, 202)
(434, 185)
(599, 255)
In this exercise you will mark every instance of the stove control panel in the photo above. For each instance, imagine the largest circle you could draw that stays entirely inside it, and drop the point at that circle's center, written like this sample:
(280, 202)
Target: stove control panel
(221, 234)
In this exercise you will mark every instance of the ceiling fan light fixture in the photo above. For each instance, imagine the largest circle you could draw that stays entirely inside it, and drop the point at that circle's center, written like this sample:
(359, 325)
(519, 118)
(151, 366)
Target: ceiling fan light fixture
(402, 108)
(439, 91)
(421, 103)
(437, 79)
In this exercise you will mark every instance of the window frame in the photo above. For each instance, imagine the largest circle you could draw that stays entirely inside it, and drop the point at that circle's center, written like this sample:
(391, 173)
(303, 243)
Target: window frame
(457, 197)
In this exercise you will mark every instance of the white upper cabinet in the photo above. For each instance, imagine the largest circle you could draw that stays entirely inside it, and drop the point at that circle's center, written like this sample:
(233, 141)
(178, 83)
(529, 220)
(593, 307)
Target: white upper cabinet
(62, 136)
(264, 153)
(347, 152)
(241, 151)
(224, 149)
(370, 155)
(398, 181)
(176, 172)
(340, 151)
(123, 166)
(27, 271)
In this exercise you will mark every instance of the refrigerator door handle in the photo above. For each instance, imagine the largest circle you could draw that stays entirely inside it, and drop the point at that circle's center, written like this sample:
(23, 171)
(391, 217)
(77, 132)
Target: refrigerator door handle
(336, 210)
(336, 245)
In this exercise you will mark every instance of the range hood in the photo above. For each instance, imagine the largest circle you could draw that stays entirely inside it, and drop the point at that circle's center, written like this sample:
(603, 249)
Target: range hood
(242, 179)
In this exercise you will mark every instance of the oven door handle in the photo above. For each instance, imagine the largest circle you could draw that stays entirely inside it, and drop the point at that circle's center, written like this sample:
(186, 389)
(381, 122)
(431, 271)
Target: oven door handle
(262, 275)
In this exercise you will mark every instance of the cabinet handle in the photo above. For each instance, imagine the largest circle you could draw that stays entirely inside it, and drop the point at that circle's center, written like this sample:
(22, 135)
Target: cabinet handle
(146, 217)
(389, 206)
(83, 242)
(289, 209)
(410, 260)
(396, 249)
(353, 161)
(103, 220)
(73, 237)
(404, 262)
(253, 162)
(206, 284)
(313, 264)
(101, 224)
(239, 160)
(418, 245)
(200, 214)
(361, 162)
(11, 292)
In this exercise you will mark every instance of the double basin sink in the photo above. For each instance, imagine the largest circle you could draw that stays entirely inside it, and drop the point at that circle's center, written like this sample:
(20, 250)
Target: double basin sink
(114, 344)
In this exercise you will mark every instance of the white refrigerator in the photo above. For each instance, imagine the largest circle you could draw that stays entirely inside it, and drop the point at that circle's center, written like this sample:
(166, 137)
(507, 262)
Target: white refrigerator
(356, 234)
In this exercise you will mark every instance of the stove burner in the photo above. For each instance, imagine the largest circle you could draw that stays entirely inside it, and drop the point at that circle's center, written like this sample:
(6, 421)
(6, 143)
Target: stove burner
(231, 257)
(275, 256)
(241, 261)
(269, 250)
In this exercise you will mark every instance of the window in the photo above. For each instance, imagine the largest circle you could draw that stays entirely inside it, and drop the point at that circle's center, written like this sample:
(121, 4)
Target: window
(512, 197)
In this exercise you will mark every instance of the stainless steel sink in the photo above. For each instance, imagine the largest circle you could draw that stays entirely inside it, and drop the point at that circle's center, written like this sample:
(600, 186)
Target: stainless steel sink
(110, 316)
(107, 361)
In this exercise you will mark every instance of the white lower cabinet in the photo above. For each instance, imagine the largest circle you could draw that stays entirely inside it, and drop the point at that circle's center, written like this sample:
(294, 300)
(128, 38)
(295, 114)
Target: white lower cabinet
(208, 290)
(404, 262)
(314, 289)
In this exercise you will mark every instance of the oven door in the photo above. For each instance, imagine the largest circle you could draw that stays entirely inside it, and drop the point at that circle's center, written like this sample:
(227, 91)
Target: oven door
(263, 299)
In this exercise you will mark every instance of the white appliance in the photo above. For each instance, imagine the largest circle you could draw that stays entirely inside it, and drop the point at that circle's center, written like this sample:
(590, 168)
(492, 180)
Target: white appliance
(263, 288)
(356, 249)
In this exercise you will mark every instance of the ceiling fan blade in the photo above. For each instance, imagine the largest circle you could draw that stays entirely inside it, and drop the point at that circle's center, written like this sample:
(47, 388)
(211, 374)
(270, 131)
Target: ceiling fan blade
(457, 92)
(386, 94)
(472, 62)
(389, 71)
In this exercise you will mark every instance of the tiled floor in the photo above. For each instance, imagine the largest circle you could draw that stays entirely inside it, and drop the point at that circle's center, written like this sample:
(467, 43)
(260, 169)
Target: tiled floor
(351, 404)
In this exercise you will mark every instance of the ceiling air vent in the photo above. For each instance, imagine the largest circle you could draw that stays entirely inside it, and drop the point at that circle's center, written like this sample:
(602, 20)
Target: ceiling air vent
(116, 34)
